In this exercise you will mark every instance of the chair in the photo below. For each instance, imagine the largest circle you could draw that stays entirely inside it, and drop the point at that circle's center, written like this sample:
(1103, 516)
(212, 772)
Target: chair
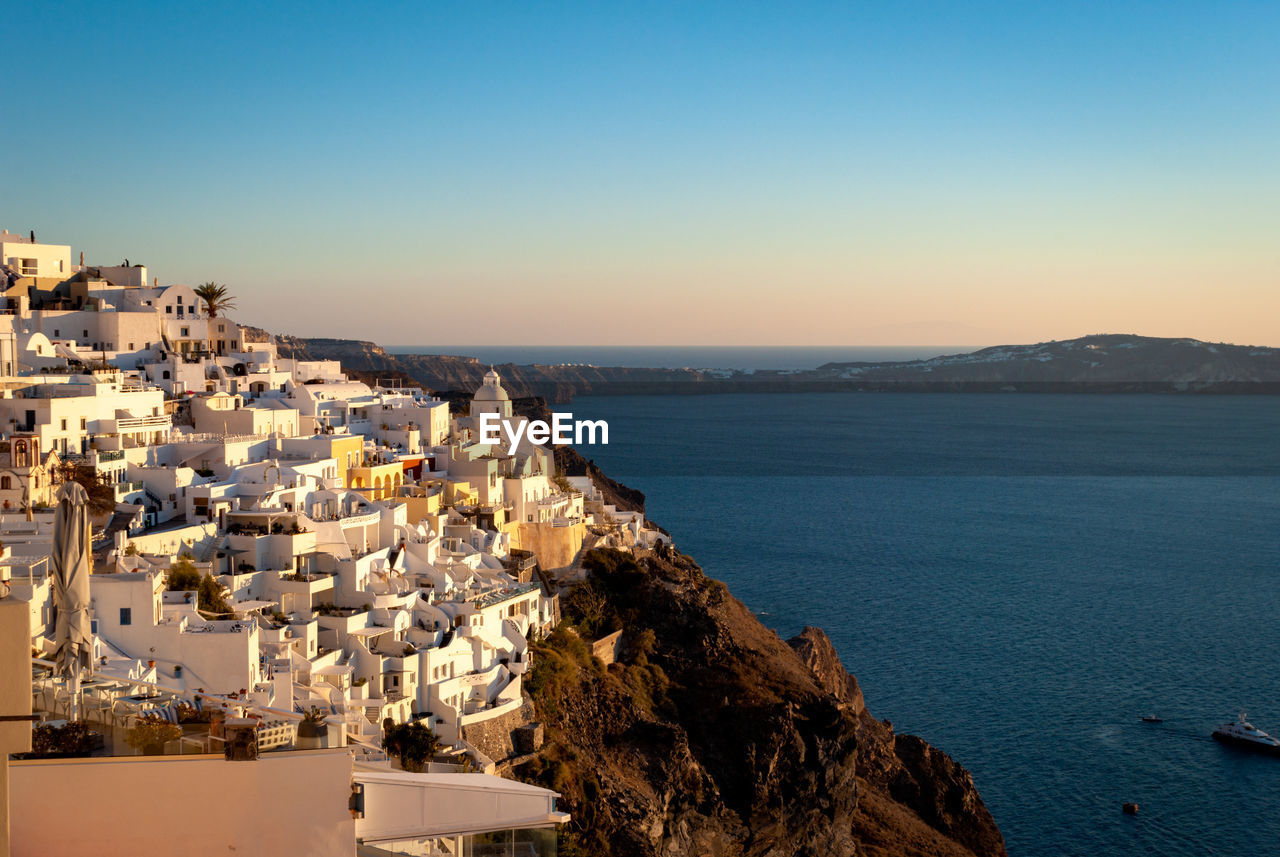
(63, 702)
(95, 703)
(123, 711)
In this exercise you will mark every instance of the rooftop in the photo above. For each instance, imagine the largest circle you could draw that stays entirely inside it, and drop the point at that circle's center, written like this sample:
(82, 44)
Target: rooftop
(497, 596)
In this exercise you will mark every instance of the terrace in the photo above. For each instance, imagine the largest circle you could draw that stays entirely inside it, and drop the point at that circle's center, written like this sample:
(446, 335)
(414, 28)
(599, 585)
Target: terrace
(126, 714)
(506, 593)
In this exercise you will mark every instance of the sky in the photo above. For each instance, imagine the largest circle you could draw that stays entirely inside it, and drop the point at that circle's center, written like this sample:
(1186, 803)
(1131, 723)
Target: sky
(898, 173)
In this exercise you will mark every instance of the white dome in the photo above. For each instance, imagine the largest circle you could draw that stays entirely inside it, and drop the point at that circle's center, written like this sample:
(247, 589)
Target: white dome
(491, 390)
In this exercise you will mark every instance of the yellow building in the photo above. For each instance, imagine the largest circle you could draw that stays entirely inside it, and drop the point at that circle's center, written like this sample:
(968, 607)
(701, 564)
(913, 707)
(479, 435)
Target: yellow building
(459, 493)
(422, 501)
(346, 449)
(377, 481)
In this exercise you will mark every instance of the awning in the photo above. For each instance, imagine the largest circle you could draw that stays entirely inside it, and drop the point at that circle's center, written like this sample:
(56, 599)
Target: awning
(334, 669)
(247, 606)
(369, 632)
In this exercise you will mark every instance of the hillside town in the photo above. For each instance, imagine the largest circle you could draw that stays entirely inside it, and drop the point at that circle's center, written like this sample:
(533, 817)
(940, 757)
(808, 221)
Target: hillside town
(301, 584)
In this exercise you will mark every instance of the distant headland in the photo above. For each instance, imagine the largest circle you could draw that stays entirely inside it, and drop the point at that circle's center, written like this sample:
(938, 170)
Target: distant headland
(1099, 363)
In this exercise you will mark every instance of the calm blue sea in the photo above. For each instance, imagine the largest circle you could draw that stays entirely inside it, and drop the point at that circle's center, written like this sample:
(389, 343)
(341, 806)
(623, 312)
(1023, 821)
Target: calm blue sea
(695, 357)
(1015, 578)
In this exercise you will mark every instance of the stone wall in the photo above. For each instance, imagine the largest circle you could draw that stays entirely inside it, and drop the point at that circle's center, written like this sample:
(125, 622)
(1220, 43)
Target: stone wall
(493, 737)
(555, 547)
(606, 648)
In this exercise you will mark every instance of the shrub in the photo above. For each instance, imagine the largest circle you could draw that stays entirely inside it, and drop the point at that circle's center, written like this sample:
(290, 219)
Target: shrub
(182, 576)
(73, 739)
(151, 733)
(210, 597)
(413, 743)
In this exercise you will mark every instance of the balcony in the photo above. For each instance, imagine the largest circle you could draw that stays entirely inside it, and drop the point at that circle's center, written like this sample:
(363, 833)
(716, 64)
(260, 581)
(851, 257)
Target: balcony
(123, 489)
(136, 424)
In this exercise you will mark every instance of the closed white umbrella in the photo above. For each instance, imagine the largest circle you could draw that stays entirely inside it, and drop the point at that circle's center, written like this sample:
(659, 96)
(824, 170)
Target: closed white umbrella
(72, 564)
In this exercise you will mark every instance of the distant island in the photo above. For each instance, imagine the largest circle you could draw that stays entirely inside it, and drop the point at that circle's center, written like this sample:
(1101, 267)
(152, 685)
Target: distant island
(1101, 363)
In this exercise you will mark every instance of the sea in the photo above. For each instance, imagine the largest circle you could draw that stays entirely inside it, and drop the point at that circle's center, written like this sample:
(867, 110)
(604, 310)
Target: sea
(1016, 578)
(686, 357)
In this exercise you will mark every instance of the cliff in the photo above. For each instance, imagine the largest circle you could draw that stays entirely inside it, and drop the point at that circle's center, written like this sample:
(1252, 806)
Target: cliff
(1107, 363)
(712, 736)
(709, 735)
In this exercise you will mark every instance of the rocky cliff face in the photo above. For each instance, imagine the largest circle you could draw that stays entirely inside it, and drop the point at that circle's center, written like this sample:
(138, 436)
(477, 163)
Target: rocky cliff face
(712, 736)
(900, 771)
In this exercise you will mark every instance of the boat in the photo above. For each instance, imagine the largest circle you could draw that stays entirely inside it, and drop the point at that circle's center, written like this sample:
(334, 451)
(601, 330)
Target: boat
(1245, 735)
(1151, 718)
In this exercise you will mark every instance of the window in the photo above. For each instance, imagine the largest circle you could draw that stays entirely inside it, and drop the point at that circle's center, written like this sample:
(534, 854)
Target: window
(86, 334)
(56, 333)
(126, 615)
(64, 424)
(27, 267)
(165, 374)
(169, 310)
(186, 331)
(84, 423)
(5, 483)
(130, 346)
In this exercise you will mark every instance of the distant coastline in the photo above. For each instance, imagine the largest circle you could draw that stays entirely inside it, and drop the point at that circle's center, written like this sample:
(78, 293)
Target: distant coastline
(725, 357)
(1102, 363)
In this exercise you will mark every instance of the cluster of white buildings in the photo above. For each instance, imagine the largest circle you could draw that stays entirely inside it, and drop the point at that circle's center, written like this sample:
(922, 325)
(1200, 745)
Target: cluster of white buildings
(372, 559)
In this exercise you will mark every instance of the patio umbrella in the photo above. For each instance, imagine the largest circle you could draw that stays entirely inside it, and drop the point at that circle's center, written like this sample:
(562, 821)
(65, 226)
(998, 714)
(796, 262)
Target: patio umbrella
(72, 563)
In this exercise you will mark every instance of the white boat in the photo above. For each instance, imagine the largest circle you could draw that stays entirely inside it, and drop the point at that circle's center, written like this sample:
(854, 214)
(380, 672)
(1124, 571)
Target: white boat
(1244, 734)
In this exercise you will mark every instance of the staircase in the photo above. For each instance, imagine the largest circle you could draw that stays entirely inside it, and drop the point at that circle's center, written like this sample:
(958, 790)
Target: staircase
(206, 549)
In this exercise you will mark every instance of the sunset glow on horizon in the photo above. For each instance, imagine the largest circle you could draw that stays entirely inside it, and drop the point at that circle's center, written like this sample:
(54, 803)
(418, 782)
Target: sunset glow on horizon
(665, 174)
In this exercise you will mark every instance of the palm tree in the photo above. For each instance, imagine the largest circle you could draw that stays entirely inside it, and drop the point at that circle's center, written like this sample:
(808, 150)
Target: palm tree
(216, 298)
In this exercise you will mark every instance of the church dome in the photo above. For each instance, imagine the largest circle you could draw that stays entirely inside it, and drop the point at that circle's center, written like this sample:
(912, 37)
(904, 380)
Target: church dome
(491, 390)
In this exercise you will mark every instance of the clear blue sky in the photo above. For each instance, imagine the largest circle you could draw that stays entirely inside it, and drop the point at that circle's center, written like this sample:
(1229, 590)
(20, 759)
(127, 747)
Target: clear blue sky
(716, 173)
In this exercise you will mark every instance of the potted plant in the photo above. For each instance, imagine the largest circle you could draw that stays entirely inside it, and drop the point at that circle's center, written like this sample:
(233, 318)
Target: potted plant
(150, 733)
(313, 731)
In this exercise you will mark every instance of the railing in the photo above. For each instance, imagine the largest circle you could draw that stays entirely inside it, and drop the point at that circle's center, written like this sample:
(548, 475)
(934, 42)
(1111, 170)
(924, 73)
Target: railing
(205, 437)
(135, 423)
(520, 563)
(359, 520)
(31, 568)
(488, 599)
(108, 455)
